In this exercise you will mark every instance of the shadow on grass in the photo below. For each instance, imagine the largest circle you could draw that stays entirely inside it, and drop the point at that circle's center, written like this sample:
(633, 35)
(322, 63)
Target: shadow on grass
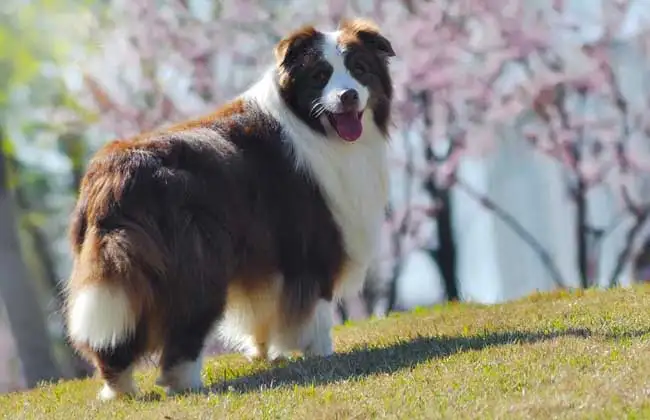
(364, 362)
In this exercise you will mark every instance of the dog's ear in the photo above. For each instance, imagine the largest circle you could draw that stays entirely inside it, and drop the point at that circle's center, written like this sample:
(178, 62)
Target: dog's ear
(368, 34)
(290, 47)
(378, 43)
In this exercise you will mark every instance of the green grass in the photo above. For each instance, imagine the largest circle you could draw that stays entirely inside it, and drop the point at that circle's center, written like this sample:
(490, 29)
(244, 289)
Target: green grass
(558, 355)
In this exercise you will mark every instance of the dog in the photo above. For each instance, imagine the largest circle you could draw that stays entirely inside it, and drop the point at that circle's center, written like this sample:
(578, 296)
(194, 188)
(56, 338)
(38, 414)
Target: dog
(249, 221)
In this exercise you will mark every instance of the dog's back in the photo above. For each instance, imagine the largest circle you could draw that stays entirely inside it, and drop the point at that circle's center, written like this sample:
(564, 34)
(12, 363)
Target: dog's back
(249, 219)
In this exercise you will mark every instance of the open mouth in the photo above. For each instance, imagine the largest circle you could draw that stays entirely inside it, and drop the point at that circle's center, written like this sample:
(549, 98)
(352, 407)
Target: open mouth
(347, 124)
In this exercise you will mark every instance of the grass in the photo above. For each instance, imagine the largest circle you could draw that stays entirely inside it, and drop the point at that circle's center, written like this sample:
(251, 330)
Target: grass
(557, 355)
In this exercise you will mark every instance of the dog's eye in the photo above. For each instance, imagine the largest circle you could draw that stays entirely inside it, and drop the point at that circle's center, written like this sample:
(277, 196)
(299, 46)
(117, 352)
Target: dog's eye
(320, 77)
(359, 68)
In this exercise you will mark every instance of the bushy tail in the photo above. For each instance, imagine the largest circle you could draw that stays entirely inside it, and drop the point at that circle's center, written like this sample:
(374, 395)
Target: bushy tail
(110, 288)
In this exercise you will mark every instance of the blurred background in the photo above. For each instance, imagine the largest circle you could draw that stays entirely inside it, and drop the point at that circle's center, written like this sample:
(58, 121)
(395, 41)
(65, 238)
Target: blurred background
(520, 154)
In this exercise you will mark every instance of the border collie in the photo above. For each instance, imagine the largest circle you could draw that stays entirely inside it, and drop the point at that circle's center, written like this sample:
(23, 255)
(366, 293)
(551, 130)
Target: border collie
(249, 221)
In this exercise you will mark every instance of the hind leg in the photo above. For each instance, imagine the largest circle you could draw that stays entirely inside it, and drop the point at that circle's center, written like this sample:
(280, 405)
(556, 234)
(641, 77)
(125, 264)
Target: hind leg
(316, 338)
(120, 384)
(284, 340)
(312, 336)
(255, 348)
(181, 360)
(115, 366)
(101, 325)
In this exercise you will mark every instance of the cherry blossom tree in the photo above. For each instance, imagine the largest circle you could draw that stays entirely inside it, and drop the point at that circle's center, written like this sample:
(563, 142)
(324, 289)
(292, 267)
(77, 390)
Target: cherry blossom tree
(465, 69)
(475, 66)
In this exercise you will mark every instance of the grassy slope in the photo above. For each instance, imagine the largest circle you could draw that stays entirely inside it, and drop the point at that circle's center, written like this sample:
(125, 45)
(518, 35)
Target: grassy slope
(577, 355)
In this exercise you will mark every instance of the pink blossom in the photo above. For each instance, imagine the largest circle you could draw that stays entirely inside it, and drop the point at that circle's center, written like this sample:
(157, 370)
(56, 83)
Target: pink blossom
(459, 55)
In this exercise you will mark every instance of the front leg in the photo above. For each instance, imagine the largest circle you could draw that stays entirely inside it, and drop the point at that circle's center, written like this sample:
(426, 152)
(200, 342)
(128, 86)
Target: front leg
(317, 334)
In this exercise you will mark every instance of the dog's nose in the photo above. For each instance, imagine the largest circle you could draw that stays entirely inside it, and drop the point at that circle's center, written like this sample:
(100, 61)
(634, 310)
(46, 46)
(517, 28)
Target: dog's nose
(349, 98)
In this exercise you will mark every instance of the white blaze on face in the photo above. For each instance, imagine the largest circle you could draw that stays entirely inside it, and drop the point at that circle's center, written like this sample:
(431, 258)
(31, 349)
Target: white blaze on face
(341, 79)
(347, 124)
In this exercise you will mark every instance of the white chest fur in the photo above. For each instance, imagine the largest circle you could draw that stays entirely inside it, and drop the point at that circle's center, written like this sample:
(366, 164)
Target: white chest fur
(353, 176)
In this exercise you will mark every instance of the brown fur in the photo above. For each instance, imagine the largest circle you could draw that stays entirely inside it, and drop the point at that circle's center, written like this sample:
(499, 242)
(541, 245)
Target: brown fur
(132, 229)
(235, 107)
(203, 215)
(298, 54)
(295, 41)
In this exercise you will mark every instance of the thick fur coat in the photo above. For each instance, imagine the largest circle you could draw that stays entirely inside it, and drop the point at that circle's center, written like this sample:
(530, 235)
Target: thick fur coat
(250, 220)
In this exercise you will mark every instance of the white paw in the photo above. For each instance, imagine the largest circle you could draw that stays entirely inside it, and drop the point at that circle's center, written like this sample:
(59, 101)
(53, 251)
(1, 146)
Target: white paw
(124, 385)
(322, 346)
(253, 353)
(109, 392)
(184, 377)
(278, 355)
(317, 336)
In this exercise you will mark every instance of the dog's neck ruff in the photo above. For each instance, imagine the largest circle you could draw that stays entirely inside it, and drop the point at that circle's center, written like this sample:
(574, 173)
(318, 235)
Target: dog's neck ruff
(352, 176)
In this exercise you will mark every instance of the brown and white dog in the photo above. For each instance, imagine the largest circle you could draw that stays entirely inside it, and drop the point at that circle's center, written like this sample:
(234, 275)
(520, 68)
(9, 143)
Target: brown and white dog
(250, 220)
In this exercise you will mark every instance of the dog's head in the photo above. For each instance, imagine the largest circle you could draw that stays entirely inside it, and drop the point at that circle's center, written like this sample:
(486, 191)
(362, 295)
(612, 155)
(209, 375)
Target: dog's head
(330, 79)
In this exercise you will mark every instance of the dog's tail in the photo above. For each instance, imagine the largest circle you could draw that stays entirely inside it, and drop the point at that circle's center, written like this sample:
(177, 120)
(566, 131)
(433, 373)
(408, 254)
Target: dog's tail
(110, 288)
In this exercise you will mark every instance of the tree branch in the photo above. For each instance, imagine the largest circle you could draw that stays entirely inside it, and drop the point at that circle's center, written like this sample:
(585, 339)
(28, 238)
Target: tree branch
(641, 215)
(517, 227)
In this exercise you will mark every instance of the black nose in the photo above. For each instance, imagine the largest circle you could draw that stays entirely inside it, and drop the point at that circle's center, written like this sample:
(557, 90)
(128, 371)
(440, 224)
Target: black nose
(349, 98)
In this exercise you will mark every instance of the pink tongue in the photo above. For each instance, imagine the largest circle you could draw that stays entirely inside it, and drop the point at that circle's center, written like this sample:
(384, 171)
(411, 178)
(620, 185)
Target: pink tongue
(348, 125)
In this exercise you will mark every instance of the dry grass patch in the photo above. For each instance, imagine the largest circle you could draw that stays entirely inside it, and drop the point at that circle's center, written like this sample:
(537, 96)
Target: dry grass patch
(557, 355)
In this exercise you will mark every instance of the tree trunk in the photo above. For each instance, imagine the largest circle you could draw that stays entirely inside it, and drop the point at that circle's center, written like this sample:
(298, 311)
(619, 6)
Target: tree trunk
(73, 365)
(445, 254)
(25, 315)
(581, 233)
